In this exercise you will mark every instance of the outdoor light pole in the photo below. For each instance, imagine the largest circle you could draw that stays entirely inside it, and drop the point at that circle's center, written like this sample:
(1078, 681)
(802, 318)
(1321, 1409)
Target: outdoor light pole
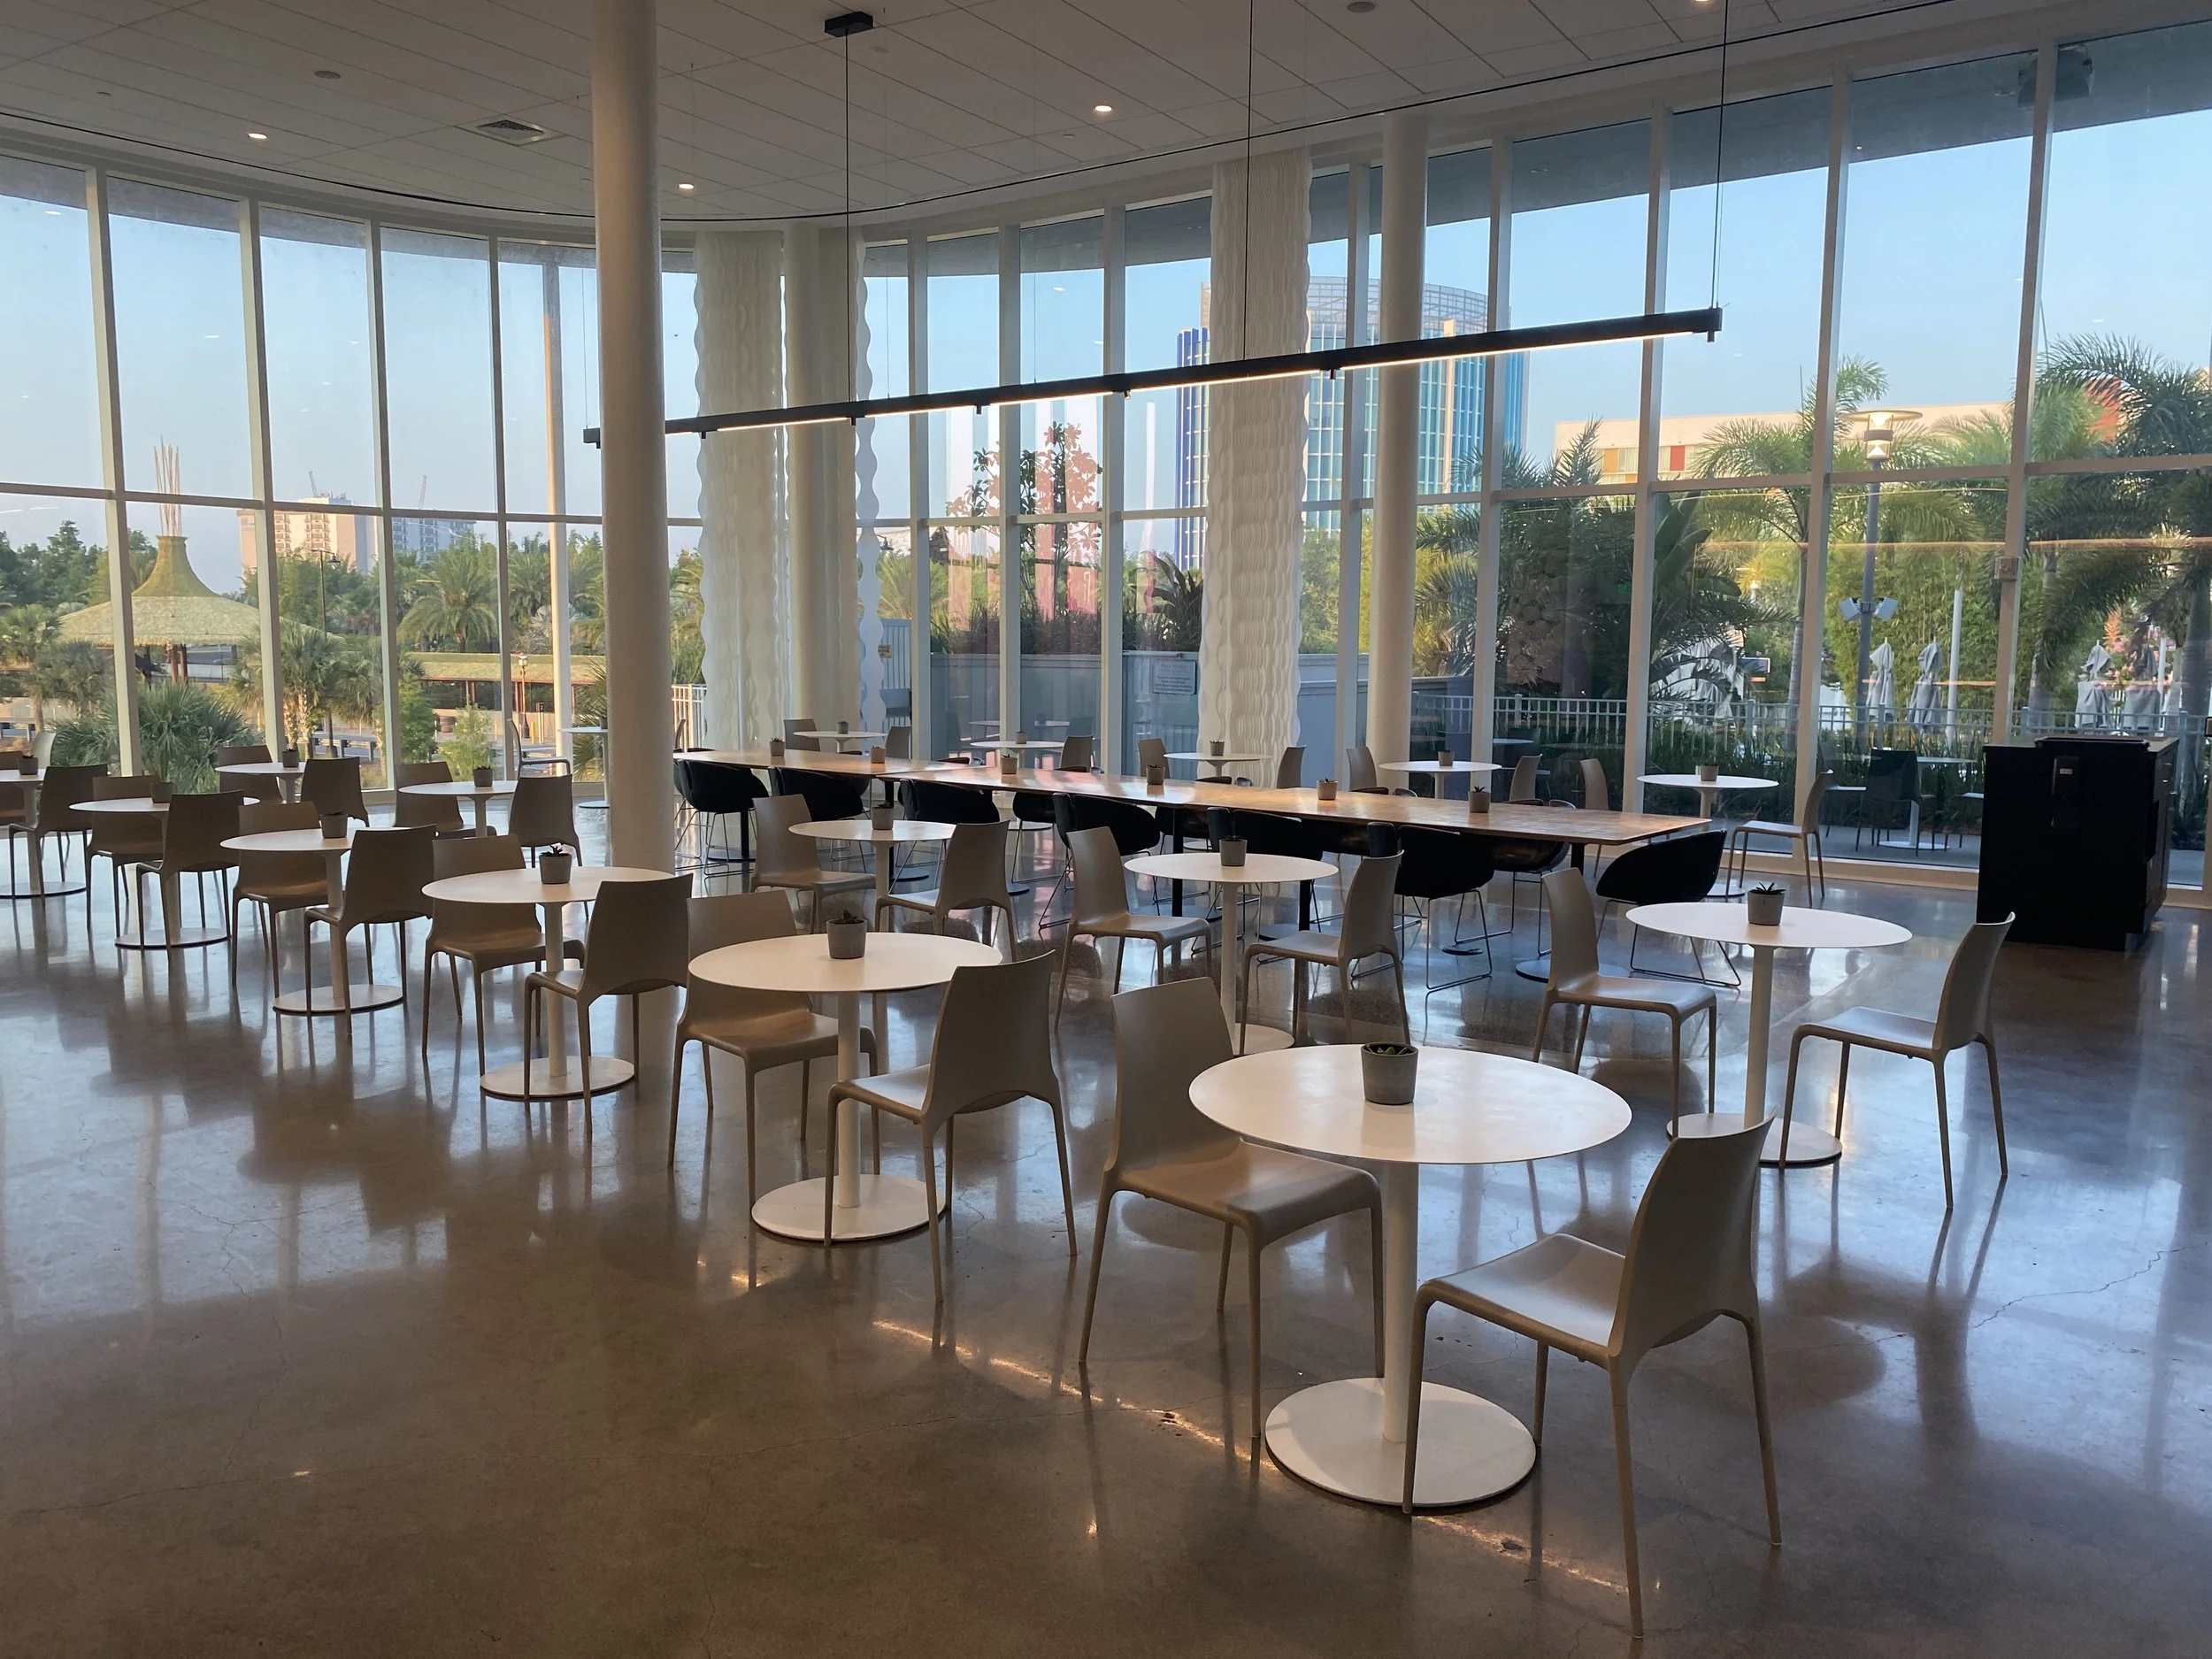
(1879, 430)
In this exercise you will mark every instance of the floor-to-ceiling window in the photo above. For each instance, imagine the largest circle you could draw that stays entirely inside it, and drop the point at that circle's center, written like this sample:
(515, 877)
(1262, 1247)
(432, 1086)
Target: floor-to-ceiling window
(962, 494)
(884, 500)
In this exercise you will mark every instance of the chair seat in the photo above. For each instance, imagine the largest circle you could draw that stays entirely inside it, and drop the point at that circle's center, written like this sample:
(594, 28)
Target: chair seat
(904, 1092)
(1763, 826)
(335, 915)
(1517, 858)
(1273, 1193)
(1560, 1290)
(927, 902)
(1129, 925)
(1621, 990)
(517, 944)
(1877, 1028)
(567, 981)
(285, 895)
(765, 1041)
(815, 877)
(1306, 945)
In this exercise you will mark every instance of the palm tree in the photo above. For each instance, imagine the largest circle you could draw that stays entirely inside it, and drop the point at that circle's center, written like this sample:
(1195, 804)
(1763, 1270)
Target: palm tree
(27, 633)
(455, 601)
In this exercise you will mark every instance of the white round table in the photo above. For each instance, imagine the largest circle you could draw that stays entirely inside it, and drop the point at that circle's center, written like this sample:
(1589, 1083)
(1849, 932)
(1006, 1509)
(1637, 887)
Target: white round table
(288, 777)
(142, 937)
(1219, 762)
(465, 789)
(1258, 870)
(845, 737)
(560, 1076)
(1349, 1436)
(341, 996)
(1708, 790)
(903, 833)
(1730, 924)
(1435, 768)
(866, 1206)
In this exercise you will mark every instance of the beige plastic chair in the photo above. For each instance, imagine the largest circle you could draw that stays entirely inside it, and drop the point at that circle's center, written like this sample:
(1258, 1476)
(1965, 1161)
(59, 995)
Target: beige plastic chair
(53, 810)
(335, 786)
(192, 832)
(542, 813)
(487, 936)
(1359, 768)
(898, 743)
(1523, 787)
(782, 858)
(972, 876)
(1805, 833)
(638, 940)
(1165, 1149)
(1576, 981)
(1075, 754)
(1368, 928)
(274, 882)
(1101, 910)
(1688, 1262)
(993, 1047)
(386, 872)
(1597, 794)
(248, 755)
(763, 1029)
(124, 839)
(441, 813)
(1962, 1017)
(1290, 770)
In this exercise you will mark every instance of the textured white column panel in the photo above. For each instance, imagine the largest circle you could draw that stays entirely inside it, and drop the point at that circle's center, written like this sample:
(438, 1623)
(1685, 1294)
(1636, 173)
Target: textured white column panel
(744, 577)
(1247, 659)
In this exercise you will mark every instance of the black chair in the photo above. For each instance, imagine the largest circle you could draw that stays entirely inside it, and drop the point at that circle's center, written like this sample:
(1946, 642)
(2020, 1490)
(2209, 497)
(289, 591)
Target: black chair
(826, 798)
(930, 802)
(715, 790)
(1134, 831)
(1275, 833)
(1448, 864)
(1891, 800)
(1678, 871)
(1531, 859)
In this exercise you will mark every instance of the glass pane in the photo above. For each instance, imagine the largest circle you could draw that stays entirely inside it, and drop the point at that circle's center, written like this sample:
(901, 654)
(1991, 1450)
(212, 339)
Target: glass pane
(680, 376)
(964, 351)
(1934, 321)
(2126, 285)
(2118, 565)
(1579, 211)
(438, 369)
(548, 361)
(1454, 300)
(448, 630)
(530, 642)
(56, 672)
(331, 633)
(191, 640)
(49, 417)
(587, 643)
(886, 594)
(315, 323)
(964, 645)
(1327, 326)
(1727, 573)
(1740, 404)
(884, 463)
(179, 338)
(1914, 671)
(1062, 565)
(1563, 583)
(1168, 249)
(1163, 612)
(1317, 609)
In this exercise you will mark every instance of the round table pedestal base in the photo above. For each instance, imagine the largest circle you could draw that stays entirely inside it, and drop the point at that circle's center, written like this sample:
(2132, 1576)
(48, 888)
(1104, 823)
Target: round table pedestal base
(608, 1074)
(1536, 968)
(1332, 1437)
(183, 939)
(1263, 1038)
(1808, 1146)
(888, 1206)
(60, 890)
(359, 999)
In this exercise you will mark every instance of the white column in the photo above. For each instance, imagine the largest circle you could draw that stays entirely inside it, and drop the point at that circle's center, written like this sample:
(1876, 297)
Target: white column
(1247, 656)
(268, 588)
(840, 587)
(807, 464)
(744, 575)
(1397, 446)
(634, 464)
(1350, 536)
(556, 505)
(381, 424)
(1642, 591)
(2023, 415)
(1813, 590)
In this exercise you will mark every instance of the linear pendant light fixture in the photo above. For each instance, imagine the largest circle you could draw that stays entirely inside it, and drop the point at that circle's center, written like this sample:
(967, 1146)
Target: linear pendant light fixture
(1380, 354)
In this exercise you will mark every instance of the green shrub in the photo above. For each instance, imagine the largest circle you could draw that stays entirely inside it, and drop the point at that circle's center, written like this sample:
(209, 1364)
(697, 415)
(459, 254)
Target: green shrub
(471, 744)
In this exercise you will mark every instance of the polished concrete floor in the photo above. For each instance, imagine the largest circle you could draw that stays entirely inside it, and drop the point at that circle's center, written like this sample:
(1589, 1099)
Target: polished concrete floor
(310, 1352)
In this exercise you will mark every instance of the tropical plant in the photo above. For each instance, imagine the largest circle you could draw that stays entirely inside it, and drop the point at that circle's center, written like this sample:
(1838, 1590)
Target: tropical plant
(181, 726)
(1163, 605)
(454, 604)
(326, 678)
(471, 744)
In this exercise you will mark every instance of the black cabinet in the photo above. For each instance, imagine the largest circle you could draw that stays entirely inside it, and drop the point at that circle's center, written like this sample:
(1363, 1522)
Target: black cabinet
(2074, 838)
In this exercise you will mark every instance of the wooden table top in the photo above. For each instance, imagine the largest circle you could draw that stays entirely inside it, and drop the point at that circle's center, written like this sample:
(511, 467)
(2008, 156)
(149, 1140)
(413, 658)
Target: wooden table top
(1504, 818)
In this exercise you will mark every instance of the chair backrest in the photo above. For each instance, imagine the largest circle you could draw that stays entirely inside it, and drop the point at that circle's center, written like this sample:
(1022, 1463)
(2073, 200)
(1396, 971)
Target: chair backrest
(738, 918)
(543, 812)
(1442, 863)
(1574, 927)
(639, 938)
(1290, 770)
(1678, 871)
(59, 796)
(242, 755)
(826, 798)
(42, 745)
(793, 727)
(472, 855)
(1165, 1035)
(1359, 767)
(777, 850)
(386, 872)
(1371, 907)
(414, 772)
(1893, 774)
(114, 832)
(196, 828)
(974, 871)
(1075, 754)
(1815, 800)
(1102, 881)
(271, 869)
(716, 789)
(1690, 1250)
(1963, 1013)
(1276, 833)
(1150, 752)
(993, 1038)
(898, 743)
(929, 803)
(130, 787)
(335, 786)
(435, 811)
(1523, 786)
(1597, 793)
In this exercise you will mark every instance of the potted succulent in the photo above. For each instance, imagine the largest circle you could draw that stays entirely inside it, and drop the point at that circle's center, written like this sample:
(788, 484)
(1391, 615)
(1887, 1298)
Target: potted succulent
(880, 816)
(1764, 903)
(775, 749)
(847, 931)
(1216, 745)
(1444, 760)
(1478, 801)
(1709, 772)
(291, 757)
(554, 868)
(1232, 849)
(481, 777)
(1325, 789)
(334, 826)
(1386, 1072)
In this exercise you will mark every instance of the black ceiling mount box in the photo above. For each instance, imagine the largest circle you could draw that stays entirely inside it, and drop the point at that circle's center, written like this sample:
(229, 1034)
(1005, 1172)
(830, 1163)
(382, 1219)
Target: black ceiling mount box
(2074, 838)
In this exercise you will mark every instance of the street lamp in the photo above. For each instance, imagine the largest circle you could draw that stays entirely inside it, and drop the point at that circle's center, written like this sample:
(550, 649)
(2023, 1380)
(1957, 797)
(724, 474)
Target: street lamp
(1878, 432)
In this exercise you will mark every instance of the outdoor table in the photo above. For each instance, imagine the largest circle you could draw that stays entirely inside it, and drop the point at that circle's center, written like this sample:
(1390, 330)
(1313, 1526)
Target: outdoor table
(288, 777)
(142, 937)
(1349, 1436)
(866, 1206)
(561, 1075)
(341, 996)
(1258, 870)
(1219, 762)
(465, 789)
(1708, 791)
(862, 738)
(1727, 923)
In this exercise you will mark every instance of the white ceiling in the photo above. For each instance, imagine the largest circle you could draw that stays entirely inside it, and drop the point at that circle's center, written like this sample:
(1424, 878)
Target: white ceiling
(947, 95)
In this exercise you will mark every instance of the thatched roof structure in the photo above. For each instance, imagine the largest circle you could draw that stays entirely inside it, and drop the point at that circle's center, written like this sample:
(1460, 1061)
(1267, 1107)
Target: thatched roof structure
(172, 606)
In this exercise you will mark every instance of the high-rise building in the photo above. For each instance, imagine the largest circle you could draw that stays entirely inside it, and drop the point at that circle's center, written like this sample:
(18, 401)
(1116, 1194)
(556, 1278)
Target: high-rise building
(299, 533)
(425, 537)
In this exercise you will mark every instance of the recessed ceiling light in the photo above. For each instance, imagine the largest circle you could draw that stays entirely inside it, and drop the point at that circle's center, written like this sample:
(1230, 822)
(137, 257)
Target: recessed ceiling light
(258, 138)
(1361, 8)
(328, 74)
(687, 187)
(1101, 109)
